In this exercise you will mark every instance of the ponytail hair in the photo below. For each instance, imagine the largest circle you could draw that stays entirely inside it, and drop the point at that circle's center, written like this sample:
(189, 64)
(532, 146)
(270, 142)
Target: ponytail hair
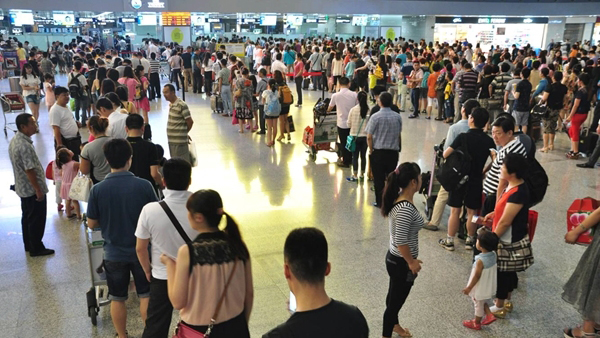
(395, 182)
(209, 203)
(362, 98)
(98, 124)
(273, 85)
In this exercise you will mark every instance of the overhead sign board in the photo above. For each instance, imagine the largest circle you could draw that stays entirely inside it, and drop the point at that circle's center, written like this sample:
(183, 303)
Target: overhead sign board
(489, 20)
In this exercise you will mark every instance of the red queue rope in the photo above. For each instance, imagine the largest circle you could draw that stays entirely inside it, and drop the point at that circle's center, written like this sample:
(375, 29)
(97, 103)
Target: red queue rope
(305, 74)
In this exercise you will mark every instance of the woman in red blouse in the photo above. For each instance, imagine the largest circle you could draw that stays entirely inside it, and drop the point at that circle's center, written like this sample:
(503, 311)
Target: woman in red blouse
(510, 224)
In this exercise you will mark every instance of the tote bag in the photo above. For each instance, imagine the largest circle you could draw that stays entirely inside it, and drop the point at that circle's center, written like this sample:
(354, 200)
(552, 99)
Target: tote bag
(80, 188)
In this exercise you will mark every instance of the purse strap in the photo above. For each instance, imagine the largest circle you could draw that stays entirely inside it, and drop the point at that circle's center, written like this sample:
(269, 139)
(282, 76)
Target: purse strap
(175, 222)
(360, 127)
(213, 319)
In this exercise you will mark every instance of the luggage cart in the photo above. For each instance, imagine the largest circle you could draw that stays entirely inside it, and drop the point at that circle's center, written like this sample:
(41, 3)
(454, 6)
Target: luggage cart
(323, 132)
(12, 103)
(165, 70)
(98, 294)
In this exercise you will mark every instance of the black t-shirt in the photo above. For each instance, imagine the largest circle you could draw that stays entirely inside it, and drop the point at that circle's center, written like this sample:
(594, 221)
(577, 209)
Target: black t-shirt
(478, 146)
(556, 95)
(519, 223)
(376, 109)
(524, 90)
(584, 103)
(144, 156)
(484, 87)
(361, 73)
(335, 319)
(187, 60)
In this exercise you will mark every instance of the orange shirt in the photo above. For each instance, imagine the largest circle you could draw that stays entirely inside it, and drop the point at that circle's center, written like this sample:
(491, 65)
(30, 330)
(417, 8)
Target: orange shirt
(431, 80)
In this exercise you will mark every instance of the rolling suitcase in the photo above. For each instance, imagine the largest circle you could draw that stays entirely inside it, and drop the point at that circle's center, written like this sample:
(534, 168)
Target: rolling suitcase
(216, 103)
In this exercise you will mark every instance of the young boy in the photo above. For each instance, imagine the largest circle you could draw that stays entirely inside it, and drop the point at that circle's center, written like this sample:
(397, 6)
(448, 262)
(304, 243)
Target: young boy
(431, 93)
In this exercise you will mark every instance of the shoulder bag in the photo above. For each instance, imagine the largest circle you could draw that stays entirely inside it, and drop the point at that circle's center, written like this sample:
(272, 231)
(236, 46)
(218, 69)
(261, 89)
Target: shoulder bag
(515, 257)
(185, 331)
(80, 188)
(175, 222)
(351, 140)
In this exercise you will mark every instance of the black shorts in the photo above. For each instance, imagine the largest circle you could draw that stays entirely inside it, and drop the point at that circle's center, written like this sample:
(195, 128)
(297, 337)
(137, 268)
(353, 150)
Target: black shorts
(285, 109)
(423, 93)
(468, 195)
(118, 277)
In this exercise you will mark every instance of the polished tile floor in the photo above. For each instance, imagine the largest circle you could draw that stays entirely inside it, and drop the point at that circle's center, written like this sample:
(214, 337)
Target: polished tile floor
(271, 191)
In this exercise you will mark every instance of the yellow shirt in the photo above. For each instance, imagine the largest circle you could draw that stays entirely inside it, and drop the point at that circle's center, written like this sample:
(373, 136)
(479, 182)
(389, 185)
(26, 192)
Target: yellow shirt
(448, 90)
(21, 54)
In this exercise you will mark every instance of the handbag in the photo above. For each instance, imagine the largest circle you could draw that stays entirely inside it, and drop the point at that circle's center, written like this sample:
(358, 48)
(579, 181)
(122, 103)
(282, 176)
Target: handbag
(351, 140)
(80, 188)
(515, 257)
(50, 171)
(185, 331)
(193, 154)
(234, 119)
(147, 132)
(290, 120)
(540, 110)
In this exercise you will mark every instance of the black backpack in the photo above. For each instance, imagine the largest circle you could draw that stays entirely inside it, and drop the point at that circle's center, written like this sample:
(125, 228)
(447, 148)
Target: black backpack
(537, 182)
(454, 171)
(75, 89)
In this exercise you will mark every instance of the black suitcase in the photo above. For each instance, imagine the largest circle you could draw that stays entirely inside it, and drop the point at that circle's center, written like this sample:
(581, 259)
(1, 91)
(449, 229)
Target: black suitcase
(587, 141)
(305, 83)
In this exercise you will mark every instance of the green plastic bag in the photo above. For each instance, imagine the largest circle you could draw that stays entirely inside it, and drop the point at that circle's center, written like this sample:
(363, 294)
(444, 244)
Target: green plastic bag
(72, 104)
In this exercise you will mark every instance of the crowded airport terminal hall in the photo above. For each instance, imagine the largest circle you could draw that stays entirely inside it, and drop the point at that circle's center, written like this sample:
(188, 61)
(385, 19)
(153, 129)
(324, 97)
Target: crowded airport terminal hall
(300, 169)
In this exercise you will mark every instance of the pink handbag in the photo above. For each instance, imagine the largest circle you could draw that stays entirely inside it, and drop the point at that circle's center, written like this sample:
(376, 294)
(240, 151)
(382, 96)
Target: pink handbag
(234, 120)
(185, 331)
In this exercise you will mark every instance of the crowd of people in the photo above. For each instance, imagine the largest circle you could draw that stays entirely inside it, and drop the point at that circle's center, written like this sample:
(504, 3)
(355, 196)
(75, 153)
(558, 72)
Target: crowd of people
(205, 272)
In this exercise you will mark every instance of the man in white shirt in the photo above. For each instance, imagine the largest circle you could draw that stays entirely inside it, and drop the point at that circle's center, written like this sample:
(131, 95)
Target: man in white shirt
(343, 100)
(279, 65)
(155, 226)
(65, 129)
(152, 48)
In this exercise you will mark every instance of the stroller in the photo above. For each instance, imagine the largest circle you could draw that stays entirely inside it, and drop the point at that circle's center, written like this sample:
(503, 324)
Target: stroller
(430, 186)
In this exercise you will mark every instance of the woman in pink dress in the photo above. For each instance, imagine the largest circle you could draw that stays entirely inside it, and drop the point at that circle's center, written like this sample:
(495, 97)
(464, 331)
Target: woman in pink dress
(130, 82)
(142, 103)
(69, 167)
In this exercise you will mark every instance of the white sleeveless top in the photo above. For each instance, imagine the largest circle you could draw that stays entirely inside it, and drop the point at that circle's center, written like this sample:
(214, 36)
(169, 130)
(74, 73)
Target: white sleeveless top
(486, 286)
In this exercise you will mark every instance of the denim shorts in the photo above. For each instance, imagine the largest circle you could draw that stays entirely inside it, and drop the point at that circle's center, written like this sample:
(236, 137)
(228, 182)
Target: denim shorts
(118, 277)
(33, 99)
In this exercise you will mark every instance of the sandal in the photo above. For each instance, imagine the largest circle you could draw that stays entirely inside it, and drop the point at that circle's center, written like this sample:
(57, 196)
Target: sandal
(568, 333)
(544, 150)
(471, 324)
(404, 334)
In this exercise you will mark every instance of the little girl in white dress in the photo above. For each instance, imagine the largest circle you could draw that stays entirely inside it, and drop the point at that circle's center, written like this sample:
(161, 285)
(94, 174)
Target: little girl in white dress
(483, 280)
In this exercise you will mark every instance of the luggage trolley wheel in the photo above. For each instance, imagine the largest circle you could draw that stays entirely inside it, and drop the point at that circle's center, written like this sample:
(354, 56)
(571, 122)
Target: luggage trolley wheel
(313, 153)
(92, 304)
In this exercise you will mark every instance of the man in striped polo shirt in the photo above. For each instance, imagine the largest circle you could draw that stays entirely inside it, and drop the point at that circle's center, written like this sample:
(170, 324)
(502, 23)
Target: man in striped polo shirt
(468, 84)
(179, 124)
(502, 133)
(154, 77)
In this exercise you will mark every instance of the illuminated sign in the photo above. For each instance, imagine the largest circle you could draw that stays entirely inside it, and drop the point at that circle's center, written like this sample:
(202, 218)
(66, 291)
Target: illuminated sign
(457, 20)
(176, 19)
(128, 20)
(85, 19)
(527, 20)
(156, 4)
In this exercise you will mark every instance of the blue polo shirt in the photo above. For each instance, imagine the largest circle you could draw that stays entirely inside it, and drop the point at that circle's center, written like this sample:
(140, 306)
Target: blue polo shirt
(116, 203)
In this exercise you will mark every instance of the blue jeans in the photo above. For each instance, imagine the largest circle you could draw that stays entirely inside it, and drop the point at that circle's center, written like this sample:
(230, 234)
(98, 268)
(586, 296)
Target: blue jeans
(226, 97)
(415, 94)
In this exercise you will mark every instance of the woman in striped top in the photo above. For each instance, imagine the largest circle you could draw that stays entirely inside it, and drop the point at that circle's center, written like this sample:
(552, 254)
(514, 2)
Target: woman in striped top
(401, 260)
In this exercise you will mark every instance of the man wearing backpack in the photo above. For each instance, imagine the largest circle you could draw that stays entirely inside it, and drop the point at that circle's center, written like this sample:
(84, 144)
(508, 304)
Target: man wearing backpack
(476, 146)
(343, 100)
(261, 86)
(503, 133)
(456, 129)
(78, 89)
